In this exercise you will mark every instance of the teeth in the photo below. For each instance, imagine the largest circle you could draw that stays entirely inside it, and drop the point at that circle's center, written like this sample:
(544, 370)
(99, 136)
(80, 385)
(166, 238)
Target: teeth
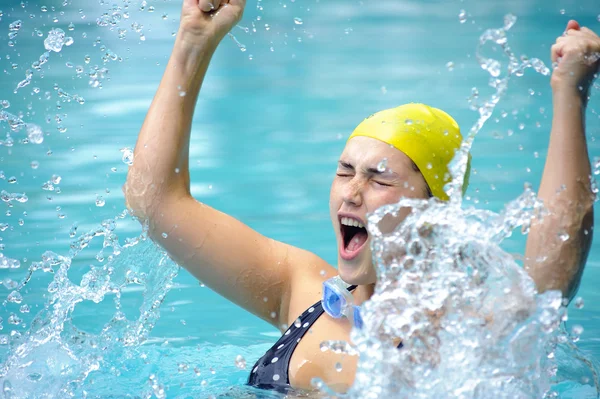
(352, 222)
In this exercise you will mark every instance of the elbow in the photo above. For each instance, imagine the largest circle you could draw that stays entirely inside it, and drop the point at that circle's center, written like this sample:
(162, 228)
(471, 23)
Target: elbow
(140, 196)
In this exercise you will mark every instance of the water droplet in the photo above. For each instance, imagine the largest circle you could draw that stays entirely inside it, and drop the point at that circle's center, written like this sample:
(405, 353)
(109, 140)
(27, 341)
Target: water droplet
(127, 156)
(338, 347)
(382, 165)
(509, 21)
(13, 29)
(462, 16)
(298, 323)
(338, 367)
(34, 133)
(298, 21)
(14, 297)
(562, 11)
(576, 332)
(240, 362)
(182, 367)
(450, 66)
(578, 303)
(14, 319)
(56, 40)
(408, 122)
(164, 235)
(596, 165)
(100, 201)
(563, 236)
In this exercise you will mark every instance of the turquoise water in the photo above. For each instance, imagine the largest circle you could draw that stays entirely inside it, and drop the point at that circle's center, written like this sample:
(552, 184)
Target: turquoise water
(269, 126)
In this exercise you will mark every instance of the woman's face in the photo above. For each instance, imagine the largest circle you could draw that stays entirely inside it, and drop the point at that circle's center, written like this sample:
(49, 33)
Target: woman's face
(370, 174)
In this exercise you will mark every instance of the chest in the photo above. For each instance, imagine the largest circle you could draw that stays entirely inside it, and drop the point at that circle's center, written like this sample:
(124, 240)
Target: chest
(309, 360)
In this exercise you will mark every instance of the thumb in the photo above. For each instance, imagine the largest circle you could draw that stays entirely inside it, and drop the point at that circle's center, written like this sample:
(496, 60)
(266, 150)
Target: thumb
(572, 25)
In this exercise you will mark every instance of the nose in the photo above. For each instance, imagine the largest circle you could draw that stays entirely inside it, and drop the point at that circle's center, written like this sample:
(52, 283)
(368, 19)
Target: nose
(352, 194)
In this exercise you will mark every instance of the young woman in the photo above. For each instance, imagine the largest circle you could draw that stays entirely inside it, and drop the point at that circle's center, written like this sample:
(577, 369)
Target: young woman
(246, 267)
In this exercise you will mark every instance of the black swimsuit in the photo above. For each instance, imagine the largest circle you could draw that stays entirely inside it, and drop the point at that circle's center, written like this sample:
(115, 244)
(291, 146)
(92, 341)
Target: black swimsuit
(271, 370)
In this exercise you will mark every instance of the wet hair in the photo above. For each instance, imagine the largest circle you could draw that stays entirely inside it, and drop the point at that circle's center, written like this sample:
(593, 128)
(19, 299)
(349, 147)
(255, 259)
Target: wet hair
(427, 188)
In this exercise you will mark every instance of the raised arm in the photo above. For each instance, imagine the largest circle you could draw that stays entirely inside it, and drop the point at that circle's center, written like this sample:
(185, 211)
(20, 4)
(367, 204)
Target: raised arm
(226, 255)
(558, 246)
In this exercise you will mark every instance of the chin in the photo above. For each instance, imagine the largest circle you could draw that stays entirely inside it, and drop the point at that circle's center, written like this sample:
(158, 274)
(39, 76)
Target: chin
(356, 274)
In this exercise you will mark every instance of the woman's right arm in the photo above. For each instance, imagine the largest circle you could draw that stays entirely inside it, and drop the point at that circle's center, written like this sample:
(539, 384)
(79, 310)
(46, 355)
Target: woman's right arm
(229, 257)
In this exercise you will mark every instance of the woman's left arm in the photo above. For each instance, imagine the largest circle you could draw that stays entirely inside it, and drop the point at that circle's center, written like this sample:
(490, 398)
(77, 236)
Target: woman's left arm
(559, 243)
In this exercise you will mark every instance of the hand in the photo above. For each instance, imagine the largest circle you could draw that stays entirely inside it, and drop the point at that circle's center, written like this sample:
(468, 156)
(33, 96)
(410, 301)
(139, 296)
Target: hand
(577, 53)
(209, 19)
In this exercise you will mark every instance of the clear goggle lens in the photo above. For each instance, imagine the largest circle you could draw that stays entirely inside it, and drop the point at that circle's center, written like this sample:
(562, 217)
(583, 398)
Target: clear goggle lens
(338, 301)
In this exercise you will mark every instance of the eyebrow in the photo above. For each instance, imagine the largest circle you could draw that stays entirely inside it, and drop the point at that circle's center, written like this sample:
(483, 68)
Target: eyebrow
(372, 171)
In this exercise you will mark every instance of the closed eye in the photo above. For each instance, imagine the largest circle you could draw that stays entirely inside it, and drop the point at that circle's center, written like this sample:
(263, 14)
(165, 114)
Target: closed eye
(382, 184)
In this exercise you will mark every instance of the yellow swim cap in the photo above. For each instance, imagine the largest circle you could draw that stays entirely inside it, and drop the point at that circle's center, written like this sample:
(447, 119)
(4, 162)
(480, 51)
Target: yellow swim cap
(427, 135)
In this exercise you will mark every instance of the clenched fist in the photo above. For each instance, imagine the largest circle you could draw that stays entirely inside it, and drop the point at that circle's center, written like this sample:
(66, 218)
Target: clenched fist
(209, 19)
(577, 53)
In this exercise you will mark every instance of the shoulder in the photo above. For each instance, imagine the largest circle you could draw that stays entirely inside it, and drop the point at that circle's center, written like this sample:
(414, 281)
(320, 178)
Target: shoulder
(307, 273)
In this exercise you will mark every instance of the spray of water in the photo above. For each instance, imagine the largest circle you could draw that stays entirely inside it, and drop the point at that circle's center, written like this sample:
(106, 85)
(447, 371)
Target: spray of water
(70, 354)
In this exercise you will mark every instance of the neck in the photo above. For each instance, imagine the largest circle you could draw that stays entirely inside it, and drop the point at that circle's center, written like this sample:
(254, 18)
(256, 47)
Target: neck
(362, 293)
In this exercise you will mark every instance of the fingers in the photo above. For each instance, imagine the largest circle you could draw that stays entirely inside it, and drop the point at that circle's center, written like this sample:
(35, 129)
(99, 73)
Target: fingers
(205, 5)
(556, 52)
(209, 5)
(572, 24)
(574, 32)
(589, 32)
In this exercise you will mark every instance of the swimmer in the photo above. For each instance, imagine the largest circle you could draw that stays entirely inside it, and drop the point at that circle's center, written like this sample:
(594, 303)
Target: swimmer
(245, 267)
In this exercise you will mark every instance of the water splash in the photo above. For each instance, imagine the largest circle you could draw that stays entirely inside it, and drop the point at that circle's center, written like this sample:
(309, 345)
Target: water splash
(71, 354)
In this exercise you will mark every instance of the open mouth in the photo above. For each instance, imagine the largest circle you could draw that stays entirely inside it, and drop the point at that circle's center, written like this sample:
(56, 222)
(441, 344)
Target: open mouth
(354, 237)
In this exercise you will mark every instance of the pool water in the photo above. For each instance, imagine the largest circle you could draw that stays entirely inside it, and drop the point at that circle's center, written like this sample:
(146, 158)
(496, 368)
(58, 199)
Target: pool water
(270, 123)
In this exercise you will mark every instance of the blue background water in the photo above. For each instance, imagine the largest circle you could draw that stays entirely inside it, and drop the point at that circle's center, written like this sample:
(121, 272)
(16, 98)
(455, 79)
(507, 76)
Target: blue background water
(269, 126)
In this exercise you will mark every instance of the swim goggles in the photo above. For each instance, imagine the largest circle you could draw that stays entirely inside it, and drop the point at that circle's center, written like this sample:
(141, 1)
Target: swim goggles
(338, 302)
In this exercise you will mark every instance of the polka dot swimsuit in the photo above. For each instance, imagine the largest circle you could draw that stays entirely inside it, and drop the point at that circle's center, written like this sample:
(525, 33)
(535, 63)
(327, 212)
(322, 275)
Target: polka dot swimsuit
(271, 370)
